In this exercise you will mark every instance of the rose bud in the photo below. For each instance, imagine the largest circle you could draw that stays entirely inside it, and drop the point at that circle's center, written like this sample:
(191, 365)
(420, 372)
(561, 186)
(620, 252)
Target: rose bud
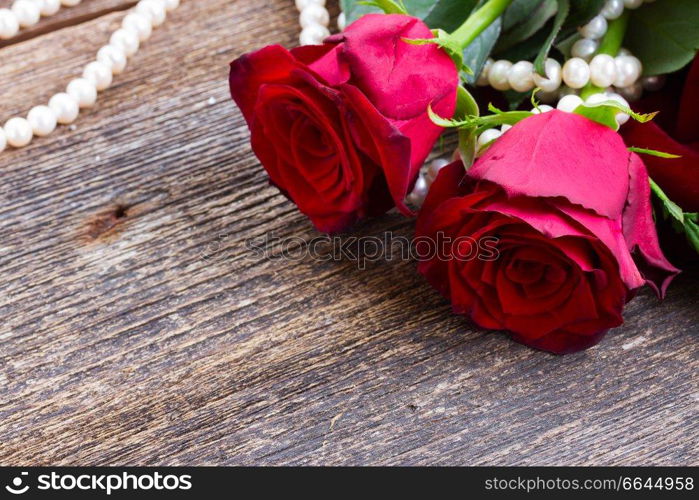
(676, 131)
(342, 128)
(570, 207)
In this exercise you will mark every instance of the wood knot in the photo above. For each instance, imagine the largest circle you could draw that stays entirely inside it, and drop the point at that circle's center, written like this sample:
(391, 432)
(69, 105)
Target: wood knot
(108, 223)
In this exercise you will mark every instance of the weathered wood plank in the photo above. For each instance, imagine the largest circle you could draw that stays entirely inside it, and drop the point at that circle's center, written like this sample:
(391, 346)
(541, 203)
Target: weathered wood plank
(137, 329)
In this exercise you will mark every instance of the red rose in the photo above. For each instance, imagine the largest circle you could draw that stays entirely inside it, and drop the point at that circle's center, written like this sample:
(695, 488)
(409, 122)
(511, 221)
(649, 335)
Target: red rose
(676, 130)
(571, 210)
(342, 128)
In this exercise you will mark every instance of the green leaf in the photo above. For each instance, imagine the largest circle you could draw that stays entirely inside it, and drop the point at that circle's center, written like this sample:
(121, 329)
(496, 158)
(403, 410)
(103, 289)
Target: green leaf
(387, 6)
(445, 122)
(670, 208)
(480, 48)
(449, 14)
(581, 11)
(682, 222)
(467, 145)
(534, 18)
(354, 9)
(664, 35)
(653, 152)
(561, 16)
(691, 229)
(423, 9)
(447, 42)
(466, 105)
(479, 122)
(605, 113)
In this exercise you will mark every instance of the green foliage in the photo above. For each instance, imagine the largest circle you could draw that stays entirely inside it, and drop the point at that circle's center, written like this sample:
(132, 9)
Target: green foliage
(605, 113)
(664, 35)
(653, 152)
(561, 15)
(683, 222)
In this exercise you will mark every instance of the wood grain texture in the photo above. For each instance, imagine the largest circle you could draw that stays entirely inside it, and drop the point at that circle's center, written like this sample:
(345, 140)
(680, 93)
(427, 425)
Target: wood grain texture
(136, 328)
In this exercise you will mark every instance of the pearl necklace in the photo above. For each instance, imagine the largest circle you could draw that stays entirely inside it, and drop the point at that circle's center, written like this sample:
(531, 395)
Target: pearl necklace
(64, 107)
(621, 73)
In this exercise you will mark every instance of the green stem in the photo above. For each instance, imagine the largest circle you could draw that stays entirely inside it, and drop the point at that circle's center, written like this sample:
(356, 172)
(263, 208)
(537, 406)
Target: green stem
(479, 21)
(610, 44)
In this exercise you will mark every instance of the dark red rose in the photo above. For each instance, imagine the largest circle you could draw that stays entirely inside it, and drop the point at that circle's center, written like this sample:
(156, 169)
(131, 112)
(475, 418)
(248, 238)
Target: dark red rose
(342, 128)
(675, 130)
(571, 210)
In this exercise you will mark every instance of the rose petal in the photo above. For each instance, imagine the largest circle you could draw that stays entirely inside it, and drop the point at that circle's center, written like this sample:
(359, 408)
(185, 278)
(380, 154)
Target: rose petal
(560, 154)
(640, 234)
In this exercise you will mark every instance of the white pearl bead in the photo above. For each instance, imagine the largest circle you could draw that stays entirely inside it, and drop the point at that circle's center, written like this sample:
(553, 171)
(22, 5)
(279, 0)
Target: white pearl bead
(595, 28)
(505, 127)
(302, 4)
(49, 7)
(9, 26)
(543, 108)
(520, 76)
(613, 9)
(27, 13)
(70, 3)
(42, 120)
(569, 103)
(127, 40)
(598, 98)
(435, 167)
(628, 70)
(552, 81)
(498, 75)
(99, 74)
(621, 118)
(584, 48)
(633, 4)
(154, 9)
(114, 57)
(65, 108)
(83, 91)
(421, 187)
(482, 80)
(314, 14)
(623, 52)
(313, 35)
(417, 196)
(631, 93)
(341, 21)
(602, 70)
(140, 23)
(486, 137)
(653, 83)
(18, 132)
(576, 73)
(171, 5)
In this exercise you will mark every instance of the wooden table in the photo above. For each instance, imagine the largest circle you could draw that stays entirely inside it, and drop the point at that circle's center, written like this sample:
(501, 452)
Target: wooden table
(136, 329)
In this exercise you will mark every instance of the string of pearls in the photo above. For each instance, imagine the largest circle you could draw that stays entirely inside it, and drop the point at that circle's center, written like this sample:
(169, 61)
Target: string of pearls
(26, 13)
(622, 72)
(620, 76)
(314, 20)
(63, 108)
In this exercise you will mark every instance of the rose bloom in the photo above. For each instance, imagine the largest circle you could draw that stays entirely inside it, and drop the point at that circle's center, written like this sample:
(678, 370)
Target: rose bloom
(675, 130)
(342, 128)
(570, 207)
